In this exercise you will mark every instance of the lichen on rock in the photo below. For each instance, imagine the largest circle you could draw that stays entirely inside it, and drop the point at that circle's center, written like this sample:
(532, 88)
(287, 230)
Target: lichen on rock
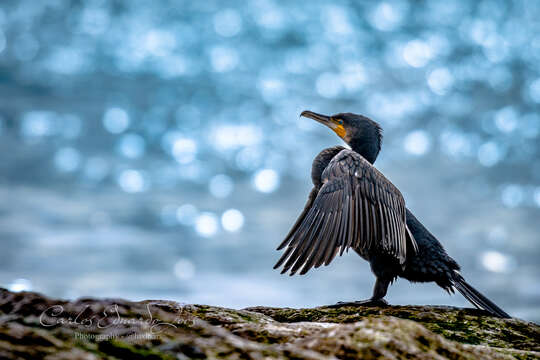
(33, 326)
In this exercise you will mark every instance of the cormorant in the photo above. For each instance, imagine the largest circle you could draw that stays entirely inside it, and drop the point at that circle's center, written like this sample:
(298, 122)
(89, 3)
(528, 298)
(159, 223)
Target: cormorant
(353, 205)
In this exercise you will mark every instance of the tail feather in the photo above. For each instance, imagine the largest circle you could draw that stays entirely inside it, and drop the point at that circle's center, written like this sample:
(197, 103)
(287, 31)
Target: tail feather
(476, 298)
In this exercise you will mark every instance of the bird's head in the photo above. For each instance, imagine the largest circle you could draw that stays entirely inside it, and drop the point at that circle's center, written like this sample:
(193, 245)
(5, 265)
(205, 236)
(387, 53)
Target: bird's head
(361, 133)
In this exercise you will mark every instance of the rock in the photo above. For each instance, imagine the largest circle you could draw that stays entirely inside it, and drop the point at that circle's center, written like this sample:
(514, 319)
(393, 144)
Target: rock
(35, 327)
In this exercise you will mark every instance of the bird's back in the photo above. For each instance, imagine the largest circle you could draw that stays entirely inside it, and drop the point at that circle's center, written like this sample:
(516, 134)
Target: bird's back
(320, 163)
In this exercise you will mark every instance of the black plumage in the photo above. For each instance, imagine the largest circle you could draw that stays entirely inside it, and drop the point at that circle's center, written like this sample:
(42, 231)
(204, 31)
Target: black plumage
(353, 205)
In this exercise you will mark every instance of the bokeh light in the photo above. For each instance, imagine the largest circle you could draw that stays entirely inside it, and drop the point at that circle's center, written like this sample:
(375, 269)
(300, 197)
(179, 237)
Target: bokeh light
(417, 142)
(67, 159)
(116, 120)
(266, 180)
(131, 146)
(221, 186)
(132, 181)
(20, 285)
(232, 220)
(497, 262)
(206, 224)
(184, 269)
(186, 214)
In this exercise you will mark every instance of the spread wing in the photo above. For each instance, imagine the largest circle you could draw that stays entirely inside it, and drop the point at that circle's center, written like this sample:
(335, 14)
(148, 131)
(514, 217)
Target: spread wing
(355, 207)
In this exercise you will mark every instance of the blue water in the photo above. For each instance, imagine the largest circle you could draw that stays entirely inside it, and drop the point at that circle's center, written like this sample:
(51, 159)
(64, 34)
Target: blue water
(154, 149)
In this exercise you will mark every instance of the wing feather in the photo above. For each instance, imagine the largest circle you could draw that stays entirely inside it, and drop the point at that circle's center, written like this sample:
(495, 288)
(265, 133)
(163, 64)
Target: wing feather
(311, 197)
(331, 248)
(313, 233)
(327, 235)
(374, 224)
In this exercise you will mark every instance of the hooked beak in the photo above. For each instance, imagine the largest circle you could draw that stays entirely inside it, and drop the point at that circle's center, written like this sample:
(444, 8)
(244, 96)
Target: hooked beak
(326, 120)
(323, 119)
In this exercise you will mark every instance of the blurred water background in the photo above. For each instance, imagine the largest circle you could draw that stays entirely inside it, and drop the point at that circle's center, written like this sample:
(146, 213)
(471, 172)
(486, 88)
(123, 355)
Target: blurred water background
(154, 149)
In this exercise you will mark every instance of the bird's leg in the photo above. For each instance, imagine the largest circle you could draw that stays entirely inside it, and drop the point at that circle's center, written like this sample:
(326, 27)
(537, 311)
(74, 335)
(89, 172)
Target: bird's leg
(380, 289)
(379, 292)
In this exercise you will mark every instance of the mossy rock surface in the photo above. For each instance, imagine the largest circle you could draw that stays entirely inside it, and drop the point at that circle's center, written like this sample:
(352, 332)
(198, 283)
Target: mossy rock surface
(33, 326)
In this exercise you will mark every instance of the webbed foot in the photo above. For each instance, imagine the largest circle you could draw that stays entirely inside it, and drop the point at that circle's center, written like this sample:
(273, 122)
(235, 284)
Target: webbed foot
(369, 302)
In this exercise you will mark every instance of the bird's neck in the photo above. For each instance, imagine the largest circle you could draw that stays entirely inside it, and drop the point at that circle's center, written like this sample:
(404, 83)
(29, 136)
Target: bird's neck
(367, 146)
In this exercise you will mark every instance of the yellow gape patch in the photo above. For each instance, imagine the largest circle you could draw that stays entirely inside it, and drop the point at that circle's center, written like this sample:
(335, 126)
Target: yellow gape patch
(340, 131)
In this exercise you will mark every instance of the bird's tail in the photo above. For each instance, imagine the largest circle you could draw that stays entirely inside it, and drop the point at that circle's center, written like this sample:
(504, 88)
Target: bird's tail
(476, 298)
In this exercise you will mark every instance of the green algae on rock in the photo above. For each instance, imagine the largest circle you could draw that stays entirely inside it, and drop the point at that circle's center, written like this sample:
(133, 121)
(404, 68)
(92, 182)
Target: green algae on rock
(33, 326)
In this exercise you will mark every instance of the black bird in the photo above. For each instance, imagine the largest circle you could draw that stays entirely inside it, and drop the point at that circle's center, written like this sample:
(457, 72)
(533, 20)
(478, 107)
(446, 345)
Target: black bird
(353, 205)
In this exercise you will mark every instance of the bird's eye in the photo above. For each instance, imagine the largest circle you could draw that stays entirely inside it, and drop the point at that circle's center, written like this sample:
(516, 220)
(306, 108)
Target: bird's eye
(340, 122)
